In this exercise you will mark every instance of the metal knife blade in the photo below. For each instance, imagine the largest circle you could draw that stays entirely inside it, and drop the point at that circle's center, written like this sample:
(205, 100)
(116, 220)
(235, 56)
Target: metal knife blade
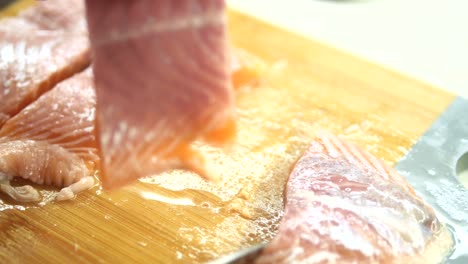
(247, 255)
(430, 167)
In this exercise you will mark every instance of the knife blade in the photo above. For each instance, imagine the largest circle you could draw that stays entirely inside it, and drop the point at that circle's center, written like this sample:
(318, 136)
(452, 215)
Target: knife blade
(247, 255)
(430, 167)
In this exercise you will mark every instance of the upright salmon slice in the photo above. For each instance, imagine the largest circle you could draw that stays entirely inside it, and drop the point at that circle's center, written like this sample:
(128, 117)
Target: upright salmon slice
(162, 74)
(343, 205)
(39, 48)
(52, 140)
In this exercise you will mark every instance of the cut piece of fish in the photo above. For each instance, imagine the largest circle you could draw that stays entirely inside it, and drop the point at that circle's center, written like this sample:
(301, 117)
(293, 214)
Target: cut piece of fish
(162, 75)
(38, 50)
(343, 205)
(246, 68)
(52, 140)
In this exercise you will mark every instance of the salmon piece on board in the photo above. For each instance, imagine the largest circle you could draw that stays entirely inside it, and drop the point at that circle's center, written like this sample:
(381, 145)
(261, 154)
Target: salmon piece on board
(162, 74)
(37, 51)
(343, 205)
(64, 15)
(52, 140)
(246, 69)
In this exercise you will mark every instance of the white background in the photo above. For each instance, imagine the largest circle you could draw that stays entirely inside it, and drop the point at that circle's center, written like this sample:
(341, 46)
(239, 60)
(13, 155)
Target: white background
(424, 39)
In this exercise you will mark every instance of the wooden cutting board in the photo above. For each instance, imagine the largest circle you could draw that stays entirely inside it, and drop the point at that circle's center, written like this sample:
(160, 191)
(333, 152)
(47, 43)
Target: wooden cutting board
(176, 217)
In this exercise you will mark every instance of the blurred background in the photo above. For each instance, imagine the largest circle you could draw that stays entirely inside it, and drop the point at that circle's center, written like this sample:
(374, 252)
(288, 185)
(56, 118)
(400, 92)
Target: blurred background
(424, 39)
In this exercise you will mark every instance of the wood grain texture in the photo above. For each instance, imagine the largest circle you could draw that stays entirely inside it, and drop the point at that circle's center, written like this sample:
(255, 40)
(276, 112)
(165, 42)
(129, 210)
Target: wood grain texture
(178, 218)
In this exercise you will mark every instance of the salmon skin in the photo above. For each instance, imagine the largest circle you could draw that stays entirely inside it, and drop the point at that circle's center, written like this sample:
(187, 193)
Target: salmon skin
(162, 74)
(52, 140)
(42, 46)
(343, 205)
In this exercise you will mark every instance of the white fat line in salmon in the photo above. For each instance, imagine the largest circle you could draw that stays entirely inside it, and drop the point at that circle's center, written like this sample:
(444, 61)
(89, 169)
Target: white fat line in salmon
(152, 26)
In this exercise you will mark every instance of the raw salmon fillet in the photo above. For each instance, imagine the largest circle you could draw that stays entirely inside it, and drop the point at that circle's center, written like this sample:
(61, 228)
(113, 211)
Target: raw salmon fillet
(343, 205)
(52, 140)
(162, 74)
(39, 48)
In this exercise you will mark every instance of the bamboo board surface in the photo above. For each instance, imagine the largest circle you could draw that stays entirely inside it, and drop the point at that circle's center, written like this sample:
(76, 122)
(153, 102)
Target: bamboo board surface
(176, 217)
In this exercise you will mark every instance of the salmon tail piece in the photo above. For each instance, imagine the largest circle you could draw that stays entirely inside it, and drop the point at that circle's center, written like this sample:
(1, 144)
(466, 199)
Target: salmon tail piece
(335, 146)
(343, 205)
(163, 80)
